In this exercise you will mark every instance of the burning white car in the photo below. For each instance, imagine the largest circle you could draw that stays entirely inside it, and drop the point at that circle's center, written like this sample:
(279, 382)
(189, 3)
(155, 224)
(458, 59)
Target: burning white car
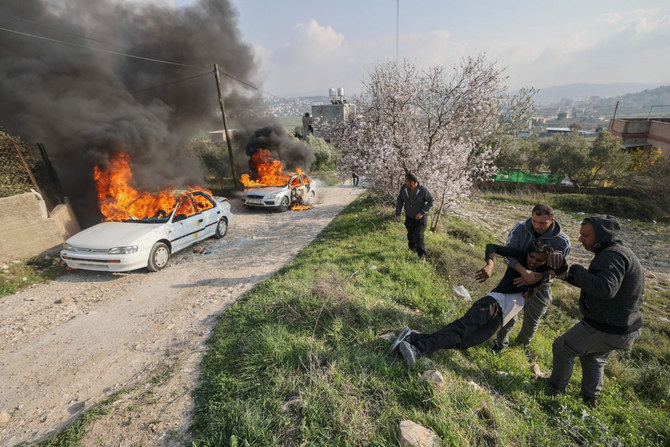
(139, 242)
(298, 191)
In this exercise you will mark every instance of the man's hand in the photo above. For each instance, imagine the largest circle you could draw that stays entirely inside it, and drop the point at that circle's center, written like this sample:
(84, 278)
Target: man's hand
(485, 272)
(397, 219)
(555, 260)
(419, 216)
(563, 275)
(527, 278)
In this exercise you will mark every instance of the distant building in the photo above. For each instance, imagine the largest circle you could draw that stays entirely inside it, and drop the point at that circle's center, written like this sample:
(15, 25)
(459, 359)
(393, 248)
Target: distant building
(643, 133)
(338, 110)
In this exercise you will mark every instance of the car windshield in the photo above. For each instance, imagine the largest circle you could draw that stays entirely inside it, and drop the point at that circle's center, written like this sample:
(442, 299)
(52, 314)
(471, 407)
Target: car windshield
(153, 209)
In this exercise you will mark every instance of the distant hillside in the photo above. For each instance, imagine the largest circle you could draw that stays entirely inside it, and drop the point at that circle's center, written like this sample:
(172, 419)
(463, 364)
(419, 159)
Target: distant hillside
(552, 95)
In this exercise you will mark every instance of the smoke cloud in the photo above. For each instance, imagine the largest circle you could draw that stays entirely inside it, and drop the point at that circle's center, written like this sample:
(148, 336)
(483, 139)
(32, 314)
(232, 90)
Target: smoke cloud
(273, 138)
(87, 105)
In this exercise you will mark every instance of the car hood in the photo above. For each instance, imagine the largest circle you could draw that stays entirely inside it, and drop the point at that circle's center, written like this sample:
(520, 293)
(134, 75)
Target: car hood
(112, 234)
(265, 190)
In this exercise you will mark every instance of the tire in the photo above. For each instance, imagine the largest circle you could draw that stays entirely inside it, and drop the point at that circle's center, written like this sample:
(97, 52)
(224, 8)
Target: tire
(310, 198)
(158, 257)
(221, 228)
(285, 203)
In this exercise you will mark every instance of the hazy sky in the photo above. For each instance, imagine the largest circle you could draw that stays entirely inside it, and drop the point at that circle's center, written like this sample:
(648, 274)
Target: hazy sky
(308, 46)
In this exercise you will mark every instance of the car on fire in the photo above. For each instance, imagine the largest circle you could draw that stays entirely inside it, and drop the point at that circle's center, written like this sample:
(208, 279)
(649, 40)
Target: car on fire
(149, 241)
(300, 190)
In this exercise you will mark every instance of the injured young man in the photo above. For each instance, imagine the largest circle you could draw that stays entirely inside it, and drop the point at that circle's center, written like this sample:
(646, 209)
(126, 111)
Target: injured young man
(488, 314)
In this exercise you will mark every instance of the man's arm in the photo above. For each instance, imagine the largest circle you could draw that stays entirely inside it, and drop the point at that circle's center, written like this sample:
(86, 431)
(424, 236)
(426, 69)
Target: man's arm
(603, 282)
(398, 205)
(428, 203)
(514, 241)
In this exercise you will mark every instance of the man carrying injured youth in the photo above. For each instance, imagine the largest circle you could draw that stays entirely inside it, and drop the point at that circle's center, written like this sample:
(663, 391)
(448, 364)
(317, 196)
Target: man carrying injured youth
(488, 314)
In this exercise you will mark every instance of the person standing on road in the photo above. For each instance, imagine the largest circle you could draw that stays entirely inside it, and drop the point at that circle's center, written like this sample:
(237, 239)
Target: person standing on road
(540, 227)
(417, 201)
(611, 297)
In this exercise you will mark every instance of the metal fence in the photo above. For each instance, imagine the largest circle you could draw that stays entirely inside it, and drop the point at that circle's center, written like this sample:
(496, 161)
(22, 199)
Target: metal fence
(23, 167)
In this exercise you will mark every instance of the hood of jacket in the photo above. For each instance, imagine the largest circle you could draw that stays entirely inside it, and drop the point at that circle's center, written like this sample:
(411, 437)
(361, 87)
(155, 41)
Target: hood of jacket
(553, 231)
(607, 230)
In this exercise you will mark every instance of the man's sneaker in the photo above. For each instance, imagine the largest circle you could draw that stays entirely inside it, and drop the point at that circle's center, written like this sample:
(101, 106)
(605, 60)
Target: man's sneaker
(529, 355)
(541, 379)
(409, 352)
(590, 401)
(497, 349)
(401, 337)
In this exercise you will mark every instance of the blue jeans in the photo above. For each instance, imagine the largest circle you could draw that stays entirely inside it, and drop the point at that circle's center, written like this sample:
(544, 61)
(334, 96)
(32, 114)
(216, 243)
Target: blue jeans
(593, 347)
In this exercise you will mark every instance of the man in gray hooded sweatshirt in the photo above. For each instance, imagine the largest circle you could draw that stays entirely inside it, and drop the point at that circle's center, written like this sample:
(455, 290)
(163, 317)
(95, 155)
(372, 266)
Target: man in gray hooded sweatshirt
(611, 297)
(417, 201)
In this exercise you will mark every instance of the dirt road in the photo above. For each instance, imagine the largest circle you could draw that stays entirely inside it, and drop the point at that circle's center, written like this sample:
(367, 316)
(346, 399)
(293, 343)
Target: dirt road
(67, 345)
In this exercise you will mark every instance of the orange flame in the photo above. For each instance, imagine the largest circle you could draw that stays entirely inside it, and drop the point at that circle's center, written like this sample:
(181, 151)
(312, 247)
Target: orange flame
(270, 172)
(120, 201)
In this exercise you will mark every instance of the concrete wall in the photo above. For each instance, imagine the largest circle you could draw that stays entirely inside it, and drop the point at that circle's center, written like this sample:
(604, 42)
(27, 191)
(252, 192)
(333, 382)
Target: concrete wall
(27, 230)
(653, 131)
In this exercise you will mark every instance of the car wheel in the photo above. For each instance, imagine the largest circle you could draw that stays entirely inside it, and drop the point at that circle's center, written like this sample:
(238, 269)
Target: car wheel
(310, 198)
(221, 228)
(285, 202)
(158, 257)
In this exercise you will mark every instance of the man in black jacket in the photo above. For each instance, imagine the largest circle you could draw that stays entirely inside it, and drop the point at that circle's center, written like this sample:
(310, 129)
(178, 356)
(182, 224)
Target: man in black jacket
(610, 300)
(417, 201)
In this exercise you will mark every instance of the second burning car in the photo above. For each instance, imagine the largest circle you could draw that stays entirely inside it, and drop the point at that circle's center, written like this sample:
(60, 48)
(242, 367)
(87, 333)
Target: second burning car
(298, 191)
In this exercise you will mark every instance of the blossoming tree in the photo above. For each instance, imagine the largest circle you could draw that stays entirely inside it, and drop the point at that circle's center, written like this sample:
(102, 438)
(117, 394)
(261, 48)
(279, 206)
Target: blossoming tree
(439, 124)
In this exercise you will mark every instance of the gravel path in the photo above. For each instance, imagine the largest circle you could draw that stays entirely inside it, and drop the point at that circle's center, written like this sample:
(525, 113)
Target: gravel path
(67, 345)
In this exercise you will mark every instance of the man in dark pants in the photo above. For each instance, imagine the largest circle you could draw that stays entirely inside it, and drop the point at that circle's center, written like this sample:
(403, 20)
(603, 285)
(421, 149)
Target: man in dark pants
(417, 201)
(611, 297)
(540, 227)
(487, 315)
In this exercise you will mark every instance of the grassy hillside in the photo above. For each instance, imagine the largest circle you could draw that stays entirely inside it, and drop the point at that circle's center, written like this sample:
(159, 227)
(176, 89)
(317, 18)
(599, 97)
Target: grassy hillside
(300, 361)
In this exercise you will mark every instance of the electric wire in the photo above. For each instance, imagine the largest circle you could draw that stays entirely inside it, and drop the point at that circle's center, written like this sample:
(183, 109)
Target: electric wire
(173, 82)
(60, 30)
(118, 53)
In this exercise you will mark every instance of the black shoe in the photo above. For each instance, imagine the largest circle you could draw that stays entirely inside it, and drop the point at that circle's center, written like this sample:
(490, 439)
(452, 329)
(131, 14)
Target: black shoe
(552, 391)
(410, 353)
(529, 355)
(590, 401)
(497, 349)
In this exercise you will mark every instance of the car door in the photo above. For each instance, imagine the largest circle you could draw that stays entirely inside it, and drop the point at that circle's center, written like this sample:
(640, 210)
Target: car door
(186, 224)
(209, 214)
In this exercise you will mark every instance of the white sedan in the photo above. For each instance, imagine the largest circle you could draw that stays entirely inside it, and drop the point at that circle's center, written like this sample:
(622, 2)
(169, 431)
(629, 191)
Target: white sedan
(148, 242)
(300, 190)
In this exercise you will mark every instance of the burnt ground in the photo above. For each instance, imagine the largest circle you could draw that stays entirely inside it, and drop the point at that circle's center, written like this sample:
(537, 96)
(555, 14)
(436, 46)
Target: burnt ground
(70, 344)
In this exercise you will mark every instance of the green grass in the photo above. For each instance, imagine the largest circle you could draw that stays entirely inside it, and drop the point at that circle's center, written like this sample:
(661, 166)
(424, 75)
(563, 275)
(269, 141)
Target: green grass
(620, 206)
(15, 275)
(299, 360)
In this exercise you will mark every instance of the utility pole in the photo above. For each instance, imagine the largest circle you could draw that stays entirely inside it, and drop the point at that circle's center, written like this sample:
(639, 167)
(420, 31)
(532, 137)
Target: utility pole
(225, 128)
(613, 116)
(397, 28)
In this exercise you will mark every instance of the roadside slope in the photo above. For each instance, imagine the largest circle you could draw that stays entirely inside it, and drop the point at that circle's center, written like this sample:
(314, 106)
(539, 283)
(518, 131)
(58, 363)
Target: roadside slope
(67, 345)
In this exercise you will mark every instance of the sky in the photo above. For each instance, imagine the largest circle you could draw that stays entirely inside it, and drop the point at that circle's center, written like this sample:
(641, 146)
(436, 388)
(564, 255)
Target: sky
(305, 47)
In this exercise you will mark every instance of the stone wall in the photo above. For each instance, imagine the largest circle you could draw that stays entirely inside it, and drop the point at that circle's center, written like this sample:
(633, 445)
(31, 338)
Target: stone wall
(26, 229)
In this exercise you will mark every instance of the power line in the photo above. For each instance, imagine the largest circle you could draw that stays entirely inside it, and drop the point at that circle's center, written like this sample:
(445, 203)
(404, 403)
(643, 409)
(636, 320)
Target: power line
(118, 53)
(150, 59)
(43, 25)
(173, 82)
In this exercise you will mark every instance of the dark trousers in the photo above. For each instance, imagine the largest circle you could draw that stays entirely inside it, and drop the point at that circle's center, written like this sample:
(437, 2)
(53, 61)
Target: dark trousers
(354, 179)
(479, 323)
(415, 232)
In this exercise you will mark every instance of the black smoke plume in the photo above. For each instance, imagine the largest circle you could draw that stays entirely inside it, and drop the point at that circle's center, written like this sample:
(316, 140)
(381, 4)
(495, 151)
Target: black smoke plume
(294, 154)
(87, 105)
